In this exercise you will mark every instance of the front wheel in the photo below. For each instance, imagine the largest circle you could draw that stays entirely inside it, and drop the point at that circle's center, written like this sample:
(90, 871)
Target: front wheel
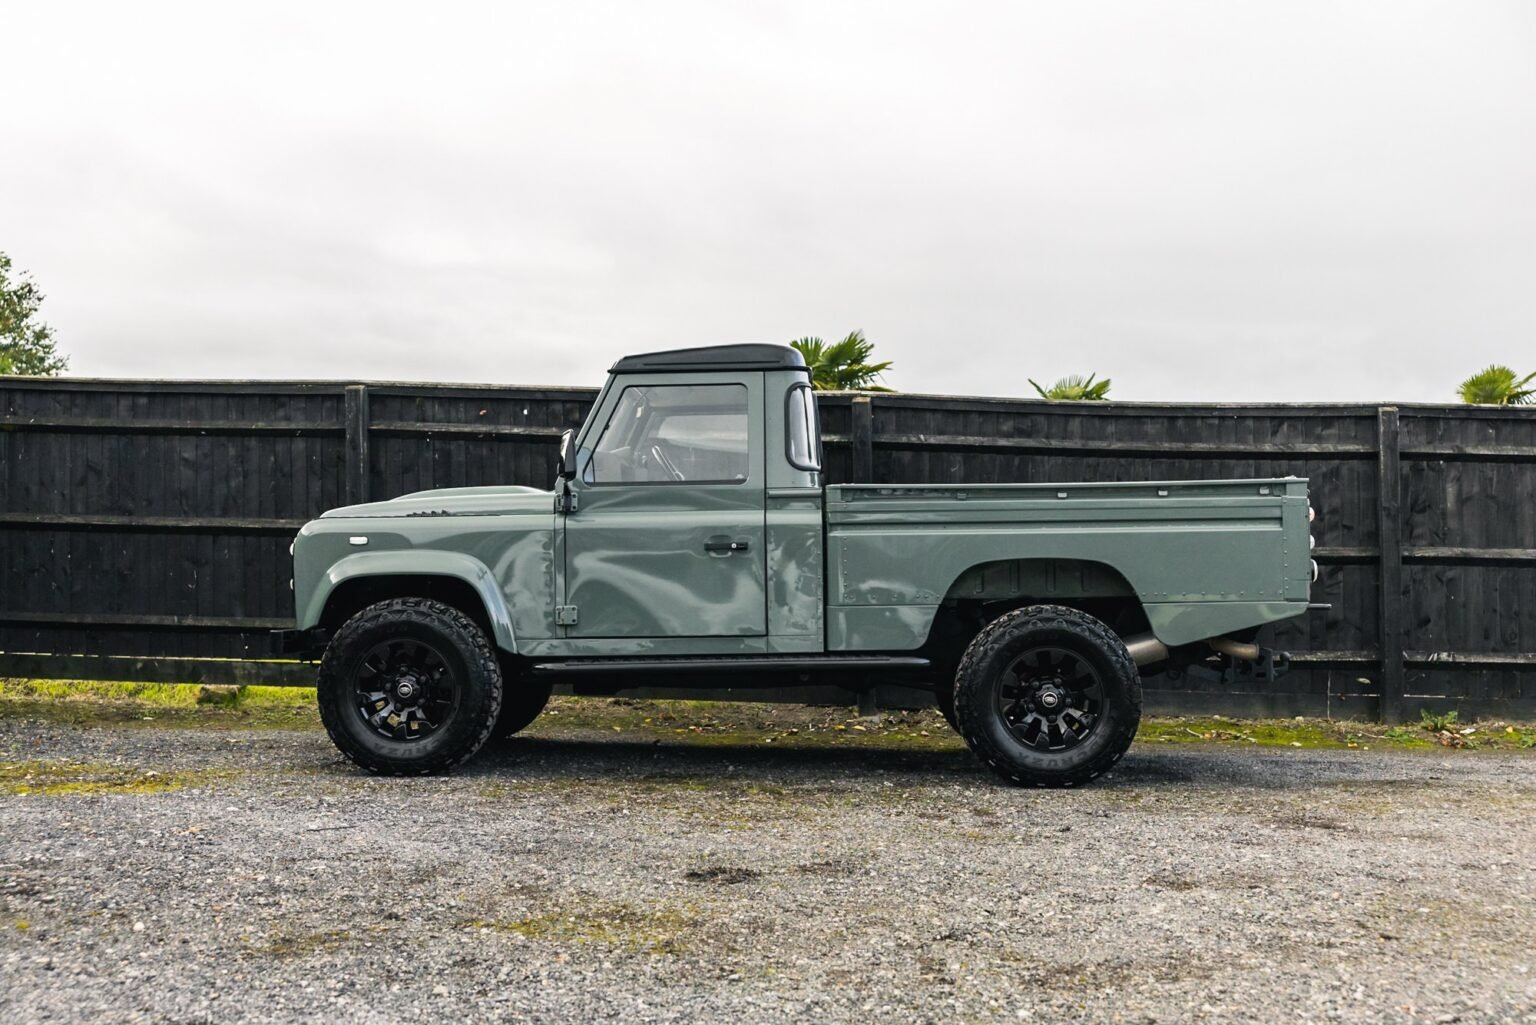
(408, 687)
(1048, 696)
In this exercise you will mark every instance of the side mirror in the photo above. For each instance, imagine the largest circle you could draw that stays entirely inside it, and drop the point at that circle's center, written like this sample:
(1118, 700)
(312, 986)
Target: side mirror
(565, 469)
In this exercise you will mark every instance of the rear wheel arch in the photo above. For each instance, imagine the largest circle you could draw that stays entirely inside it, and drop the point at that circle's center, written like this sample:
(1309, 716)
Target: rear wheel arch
(986, 591)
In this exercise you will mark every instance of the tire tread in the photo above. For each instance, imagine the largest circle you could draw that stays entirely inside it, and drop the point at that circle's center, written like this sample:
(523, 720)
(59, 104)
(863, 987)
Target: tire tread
(1000, 632)
(472, 645)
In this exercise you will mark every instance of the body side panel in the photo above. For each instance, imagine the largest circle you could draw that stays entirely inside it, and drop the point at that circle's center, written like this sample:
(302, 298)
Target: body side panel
(626, 647)
(878, 627)
(906, 627)
(637, 566)
(796, 597)
(508, 560)
(1204, 558)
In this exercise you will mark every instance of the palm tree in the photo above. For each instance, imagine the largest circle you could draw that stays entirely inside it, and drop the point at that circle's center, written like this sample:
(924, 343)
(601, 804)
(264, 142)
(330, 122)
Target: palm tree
(844, 365)
(1497, 386)
(1077, 388)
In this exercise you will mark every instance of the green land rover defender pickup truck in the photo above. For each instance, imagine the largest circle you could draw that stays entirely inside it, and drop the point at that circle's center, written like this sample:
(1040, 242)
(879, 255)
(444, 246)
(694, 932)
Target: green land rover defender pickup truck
(690, 540)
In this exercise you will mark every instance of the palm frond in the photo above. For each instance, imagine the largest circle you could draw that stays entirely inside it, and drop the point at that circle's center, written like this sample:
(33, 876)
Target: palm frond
(1075, 388)
(812, 349)
(843, 365)
(1497, 385)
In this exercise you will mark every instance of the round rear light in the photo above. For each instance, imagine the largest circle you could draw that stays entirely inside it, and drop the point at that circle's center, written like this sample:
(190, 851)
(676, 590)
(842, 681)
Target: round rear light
(1311, 514)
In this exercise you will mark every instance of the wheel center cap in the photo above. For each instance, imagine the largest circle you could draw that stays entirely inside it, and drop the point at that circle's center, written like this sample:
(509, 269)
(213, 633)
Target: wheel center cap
(406, 689)
(1049, 698)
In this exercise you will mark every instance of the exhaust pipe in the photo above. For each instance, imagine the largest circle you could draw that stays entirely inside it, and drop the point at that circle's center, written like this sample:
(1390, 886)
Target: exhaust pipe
(1236, 649)
(1146, 649)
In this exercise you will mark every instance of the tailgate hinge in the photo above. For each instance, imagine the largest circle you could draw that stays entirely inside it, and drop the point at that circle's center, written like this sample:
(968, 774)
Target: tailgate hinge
(565, 615)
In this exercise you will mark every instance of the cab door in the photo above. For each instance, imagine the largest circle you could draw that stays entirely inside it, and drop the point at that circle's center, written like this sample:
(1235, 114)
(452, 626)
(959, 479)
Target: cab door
(667, 537)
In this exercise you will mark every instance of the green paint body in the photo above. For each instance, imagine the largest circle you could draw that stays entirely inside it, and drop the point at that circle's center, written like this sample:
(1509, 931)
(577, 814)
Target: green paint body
(839, 568)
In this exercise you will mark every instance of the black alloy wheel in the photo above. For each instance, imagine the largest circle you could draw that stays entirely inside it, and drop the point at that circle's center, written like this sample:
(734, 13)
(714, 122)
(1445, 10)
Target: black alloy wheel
(1052, 698)
(406, 689)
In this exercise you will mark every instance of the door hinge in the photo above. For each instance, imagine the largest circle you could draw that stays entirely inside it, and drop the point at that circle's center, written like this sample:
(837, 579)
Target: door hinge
(565, 615)
(565, 502)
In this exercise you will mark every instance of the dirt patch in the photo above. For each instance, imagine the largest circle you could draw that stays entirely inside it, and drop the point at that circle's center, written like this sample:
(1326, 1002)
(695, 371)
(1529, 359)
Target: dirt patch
(1311, 820)
(722, 874)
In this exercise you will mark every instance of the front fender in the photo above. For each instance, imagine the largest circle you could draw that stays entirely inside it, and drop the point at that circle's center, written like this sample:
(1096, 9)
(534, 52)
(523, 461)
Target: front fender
(416, 564)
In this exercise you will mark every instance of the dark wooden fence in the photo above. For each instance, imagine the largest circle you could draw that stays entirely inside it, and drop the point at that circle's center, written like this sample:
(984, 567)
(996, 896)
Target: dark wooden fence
(146, 524)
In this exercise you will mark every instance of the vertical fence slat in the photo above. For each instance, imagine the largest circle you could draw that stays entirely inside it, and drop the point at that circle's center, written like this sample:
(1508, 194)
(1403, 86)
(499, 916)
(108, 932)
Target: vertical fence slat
(861, 437)
(357, 443)
(1389, 482)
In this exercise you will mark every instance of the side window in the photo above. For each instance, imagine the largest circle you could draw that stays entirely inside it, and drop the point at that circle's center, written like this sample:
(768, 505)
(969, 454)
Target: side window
(800, 420)
(670, 433)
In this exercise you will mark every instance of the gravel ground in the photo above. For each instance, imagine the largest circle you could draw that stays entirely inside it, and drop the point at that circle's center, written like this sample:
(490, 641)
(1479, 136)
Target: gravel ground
(579, 875)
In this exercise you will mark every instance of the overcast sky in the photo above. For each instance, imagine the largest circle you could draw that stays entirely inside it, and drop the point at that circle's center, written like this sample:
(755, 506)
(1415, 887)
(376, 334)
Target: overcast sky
(1236, 201)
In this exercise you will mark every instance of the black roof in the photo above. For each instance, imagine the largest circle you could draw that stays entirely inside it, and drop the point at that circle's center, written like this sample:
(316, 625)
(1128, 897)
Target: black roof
(750, 356)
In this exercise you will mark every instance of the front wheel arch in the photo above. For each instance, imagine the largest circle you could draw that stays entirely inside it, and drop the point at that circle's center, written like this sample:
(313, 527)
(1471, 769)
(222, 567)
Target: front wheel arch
(355, 593)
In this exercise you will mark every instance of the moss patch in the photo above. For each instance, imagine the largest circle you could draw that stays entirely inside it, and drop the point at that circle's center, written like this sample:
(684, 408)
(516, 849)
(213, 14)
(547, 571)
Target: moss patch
(1260, 732)
(98, 703)
(621, 926)
(71, 779)
(286, 944)
(1326, 733)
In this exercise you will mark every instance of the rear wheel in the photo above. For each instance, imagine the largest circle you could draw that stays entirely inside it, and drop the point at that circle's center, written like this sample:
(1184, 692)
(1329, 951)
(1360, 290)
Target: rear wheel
(1048, 696)
(409, 686)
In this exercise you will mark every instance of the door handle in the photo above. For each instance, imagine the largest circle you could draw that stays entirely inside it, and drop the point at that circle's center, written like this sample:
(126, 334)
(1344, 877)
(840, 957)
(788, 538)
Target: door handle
(726, 546)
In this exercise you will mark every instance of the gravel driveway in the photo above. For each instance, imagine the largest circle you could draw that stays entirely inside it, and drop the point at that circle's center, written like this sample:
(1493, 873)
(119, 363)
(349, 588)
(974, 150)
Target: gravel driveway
(583, 875)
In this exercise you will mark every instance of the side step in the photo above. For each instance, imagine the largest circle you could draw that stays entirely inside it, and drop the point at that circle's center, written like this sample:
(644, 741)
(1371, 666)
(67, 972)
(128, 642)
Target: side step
(734, 664)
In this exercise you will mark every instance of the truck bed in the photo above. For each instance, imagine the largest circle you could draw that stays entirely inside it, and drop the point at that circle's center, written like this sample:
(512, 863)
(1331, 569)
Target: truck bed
(1204, 557)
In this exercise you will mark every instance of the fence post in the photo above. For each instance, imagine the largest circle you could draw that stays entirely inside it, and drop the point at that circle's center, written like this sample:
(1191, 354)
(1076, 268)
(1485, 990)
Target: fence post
(1389, 481)
(357, 443)
(861, 438)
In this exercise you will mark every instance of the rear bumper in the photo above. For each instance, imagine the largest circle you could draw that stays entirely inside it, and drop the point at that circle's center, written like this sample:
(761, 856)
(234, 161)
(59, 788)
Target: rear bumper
(306, 644)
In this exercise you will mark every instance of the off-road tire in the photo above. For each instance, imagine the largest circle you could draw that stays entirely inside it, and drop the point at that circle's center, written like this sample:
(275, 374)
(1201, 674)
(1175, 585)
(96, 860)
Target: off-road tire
(983, 724)
(471, 658)
(523, 697)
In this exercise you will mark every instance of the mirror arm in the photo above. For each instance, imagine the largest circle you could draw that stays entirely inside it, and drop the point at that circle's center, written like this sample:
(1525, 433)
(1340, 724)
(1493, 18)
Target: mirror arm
(565, 465)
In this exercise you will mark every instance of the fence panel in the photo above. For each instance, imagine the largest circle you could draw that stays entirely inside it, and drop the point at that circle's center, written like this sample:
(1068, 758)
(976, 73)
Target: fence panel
(146, 523)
